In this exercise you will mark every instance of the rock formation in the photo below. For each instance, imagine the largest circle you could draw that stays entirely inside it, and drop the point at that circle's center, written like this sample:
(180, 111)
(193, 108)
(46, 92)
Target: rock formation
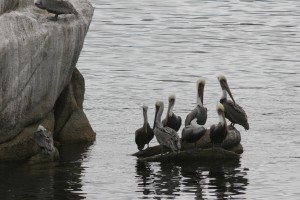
(39, 83)
(231, 148)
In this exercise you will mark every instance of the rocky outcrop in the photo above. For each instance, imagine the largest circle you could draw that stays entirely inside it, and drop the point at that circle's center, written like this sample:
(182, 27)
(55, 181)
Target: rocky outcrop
(72, 125)
(37, 63)
(232, 143)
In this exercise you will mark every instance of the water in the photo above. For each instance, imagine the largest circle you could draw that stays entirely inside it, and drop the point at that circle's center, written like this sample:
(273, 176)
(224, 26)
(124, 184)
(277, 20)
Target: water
(140, 51)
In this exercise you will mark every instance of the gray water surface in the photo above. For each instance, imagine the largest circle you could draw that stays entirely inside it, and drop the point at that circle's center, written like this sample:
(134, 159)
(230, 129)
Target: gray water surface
(138, 52)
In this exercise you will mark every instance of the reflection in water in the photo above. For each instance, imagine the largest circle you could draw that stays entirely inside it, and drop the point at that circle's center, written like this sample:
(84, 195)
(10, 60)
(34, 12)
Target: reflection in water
(55, 181)
(219, 180)
(167, 180)
(143, 171)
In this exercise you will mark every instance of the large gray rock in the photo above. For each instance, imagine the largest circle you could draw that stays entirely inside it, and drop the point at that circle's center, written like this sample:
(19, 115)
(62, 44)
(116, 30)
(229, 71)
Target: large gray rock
(37, 59)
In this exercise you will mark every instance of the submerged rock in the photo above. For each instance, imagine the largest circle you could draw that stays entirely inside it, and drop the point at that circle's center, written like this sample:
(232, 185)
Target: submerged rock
(37, 63)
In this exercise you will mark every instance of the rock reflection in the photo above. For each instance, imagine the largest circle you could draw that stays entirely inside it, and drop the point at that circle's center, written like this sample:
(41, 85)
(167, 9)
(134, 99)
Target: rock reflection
(162, 181)
(144, 171)
(226, 181)
(52, 181)
(199, 181)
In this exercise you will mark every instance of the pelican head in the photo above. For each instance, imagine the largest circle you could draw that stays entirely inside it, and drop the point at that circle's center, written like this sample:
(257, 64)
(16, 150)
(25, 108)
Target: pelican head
(145, 107)
(200, 90)
(41, 128)
(220, 109)
(222, 78)
(159, 106)
(38, 3)
(224, 85)
(172, 98)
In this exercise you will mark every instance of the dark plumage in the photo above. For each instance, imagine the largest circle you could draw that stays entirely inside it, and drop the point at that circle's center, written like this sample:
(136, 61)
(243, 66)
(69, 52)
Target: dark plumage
(56, 7)
(171, 119)
(199, 113)
(233, 112)
(218, 132)
(192, 134)
(144, 134)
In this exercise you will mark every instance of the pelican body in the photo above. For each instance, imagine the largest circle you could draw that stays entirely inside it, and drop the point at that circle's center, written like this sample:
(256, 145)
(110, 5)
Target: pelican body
(199, 112)
(233, 112)
(171, 119)
(192, 133)
(218, 132)
(166, 136)
(44, 139)
(144, 134)
(56, 7)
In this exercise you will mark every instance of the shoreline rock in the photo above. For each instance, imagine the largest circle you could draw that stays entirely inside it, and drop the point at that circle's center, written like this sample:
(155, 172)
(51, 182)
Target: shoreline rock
(37, 65)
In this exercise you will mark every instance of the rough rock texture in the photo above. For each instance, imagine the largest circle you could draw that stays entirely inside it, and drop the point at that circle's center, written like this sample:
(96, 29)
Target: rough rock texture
(37, 61)
(203, 155)
(72, 125)
(23, 146)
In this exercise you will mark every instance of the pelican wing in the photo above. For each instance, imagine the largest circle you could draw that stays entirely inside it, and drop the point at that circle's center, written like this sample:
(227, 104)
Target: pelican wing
(236, 114)
(174, 140)
(167, 137)
(200, 113)
(192, 115)
(174, 122)
(140, 138)
(192, 134)
(58, 7)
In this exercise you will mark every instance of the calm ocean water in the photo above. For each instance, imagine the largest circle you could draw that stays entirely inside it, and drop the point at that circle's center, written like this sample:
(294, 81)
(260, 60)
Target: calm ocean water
(139, 52)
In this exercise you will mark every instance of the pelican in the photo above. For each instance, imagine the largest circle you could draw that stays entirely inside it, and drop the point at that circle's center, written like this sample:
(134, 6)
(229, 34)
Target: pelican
(56, 7)
(218, 132)
(144, 134)
(199, 112)
(44, 139)
(166, 136)
(233, 112)
(171, 119)
(193, 132)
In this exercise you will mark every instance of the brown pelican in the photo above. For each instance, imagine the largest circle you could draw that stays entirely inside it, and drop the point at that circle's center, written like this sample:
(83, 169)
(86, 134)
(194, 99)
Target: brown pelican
(144, 134)
(165, 136)
(171, 119)
(44, 139)
(218, 132)
(199, 112)
(193, 132)
(56, 7)
(233, 112)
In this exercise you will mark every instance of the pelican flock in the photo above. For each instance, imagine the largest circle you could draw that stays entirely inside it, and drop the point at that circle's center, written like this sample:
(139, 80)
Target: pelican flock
(194, 128)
